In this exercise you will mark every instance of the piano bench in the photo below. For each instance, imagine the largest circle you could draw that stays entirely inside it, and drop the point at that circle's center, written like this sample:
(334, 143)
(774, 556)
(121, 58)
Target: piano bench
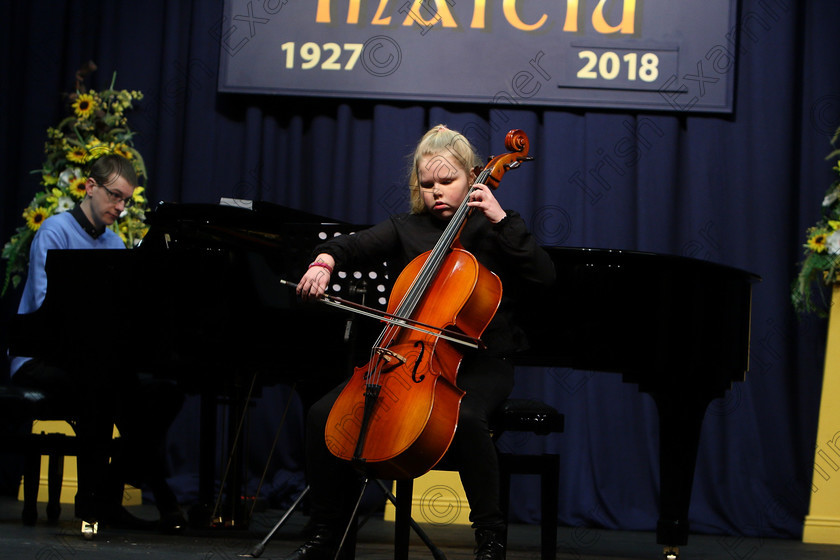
(515, 415)
(20, 408)
(525, 415)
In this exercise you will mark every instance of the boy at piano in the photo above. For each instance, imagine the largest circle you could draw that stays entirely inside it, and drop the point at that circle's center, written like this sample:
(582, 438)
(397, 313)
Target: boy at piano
(103, 396)
(440, 178)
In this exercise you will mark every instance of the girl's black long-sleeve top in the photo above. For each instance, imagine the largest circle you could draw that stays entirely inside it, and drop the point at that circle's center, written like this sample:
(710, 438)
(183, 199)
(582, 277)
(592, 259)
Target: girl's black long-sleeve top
(506, 248)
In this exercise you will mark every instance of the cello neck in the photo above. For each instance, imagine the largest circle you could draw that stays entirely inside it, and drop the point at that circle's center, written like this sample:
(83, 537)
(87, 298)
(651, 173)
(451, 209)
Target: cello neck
(517, 142)
(429, 270)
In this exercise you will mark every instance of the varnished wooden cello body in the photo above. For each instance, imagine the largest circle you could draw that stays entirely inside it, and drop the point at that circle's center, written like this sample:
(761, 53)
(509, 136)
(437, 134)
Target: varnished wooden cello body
(397, 415)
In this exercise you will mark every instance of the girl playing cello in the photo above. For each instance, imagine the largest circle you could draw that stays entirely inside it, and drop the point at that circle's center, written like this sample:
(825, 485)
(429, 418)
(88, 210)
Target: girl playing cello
(441, 177)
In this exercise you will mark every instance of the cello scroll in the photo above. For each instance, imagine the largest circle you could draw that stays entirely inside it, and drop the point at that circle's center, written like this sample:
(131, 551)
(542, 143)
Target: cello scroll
(517, 144)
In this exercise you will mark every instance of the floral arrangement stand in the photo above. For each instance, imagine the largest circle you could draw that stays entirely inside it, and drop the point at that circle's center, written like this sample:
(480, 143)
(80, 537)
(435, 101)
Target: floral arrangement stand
(822, 267)
(96, 125)
(822, 524)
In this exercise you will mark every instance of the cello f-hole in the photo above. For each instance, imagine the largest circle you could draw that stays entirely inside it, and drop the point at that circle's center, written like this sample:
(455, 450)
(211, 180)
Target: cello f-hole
(422, 346)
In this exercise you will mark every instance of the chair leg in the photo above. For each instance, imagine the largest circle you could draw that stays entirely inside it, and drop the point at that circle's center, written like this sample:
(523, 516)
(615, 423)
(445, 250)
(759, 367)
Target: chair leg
(504, 491)
(550, 482)
(55, 475)
(31, 482)
(548, 468)
(402, 515)
(347, 546)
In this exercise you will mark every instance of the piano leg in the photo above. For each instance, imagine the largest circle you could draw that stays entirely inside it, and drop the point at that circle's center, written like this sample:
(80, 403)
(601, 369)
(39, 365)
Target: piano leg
(201, 514)
(223, 507)
(237, 514)
(680, 419)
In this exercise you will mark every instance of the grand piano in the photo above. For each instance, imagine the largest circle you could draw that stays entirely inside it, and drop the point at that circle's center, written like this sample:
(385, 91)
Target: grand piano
(200, 302)
(209, 275)
(679, 328)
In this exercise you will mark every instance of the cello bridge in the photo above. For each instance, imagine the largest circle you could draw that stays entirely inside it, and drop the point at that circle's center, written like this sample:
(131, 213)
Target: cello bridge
(389, 355)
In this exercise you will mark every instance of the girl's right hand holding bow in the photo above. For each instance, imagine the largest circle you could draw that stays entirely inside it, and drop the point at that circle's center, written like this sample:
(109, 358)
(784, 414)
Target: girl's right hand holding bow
(314, 282)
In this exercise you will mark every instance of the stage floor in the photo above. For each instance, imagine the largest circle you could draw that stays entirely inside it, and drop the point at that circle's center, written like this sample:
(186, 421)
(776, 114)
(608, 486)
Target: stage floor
(62, 540)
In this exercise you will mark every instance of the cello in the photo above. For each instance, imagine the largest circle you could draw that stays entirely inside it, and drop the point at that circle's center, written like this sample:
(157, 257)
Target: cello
(397, 415)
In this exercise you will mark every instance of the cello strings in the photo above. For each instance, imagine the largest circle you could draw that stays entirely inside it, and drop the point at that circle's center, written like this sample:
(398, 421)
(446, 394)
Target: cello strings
(428, 271)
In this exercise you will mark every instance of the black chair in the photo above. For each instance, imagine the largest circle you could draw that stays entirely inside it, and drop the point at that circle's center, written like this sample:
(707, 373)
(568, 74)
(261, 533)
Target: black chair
(19, 408)
(516, 415)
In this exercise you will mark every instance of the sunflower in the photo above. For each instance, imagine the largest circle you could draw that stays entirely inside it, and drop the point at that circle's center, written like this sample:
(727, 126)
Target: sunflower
(35, 217)
(84, 105)
(817, 242)
(77, 187)
(77, 155)
(122, 149)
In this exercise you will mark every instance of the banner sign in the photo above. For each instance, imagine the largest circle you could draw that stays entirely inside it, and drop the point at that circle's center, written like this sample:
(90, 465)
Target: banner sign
(672, 55)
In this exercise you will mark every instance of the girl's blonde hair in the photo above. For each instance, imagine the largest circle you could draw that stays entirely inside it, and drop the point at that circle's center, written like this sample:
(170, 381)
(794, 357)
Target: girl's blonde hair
(439, 140)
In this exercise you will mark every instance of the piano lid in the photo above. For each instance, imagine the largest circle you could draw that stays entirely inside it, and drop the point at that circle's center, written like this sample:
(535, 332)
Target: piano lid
(260, 215)
(262, 227)
(269, 240)
(657, 319)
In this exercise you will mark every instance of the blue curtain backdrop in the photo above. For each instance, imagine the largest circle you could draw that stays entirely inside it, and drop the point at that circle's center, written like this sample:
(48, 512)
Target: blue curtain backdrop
(734, 189)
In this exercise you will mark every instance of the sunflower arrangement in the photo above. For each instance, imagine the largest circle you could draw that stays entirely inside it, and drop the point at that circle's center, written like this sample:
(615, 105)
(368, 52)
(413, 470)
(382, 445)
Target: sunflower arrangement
(822, 246)
(96, 125)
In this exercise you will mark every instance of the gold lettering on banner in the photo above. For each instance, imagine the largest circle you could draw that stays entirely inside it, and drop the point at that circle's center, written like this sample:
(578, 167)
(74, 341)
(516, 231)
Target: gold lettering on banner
(353, 11)
(322, 12)
(378, 19)
(442, 14)
(628, 19)
(427, 13)
(571, 16)
(509, 9)
(479, 14)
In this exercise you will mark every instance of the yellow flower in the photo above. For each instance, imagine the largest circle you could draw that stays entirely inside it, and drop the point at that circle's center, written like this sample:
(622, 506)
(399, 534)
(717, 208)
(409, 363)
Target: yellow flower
(54, 195)
(817, 242)
(77, 155)
(99, 149)
(834, 224)
(35, 217)
(77, 187)
(122, 149)
(93, 143)
(84, 105)
(123, 100)
(138, 195)
(49, 179)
